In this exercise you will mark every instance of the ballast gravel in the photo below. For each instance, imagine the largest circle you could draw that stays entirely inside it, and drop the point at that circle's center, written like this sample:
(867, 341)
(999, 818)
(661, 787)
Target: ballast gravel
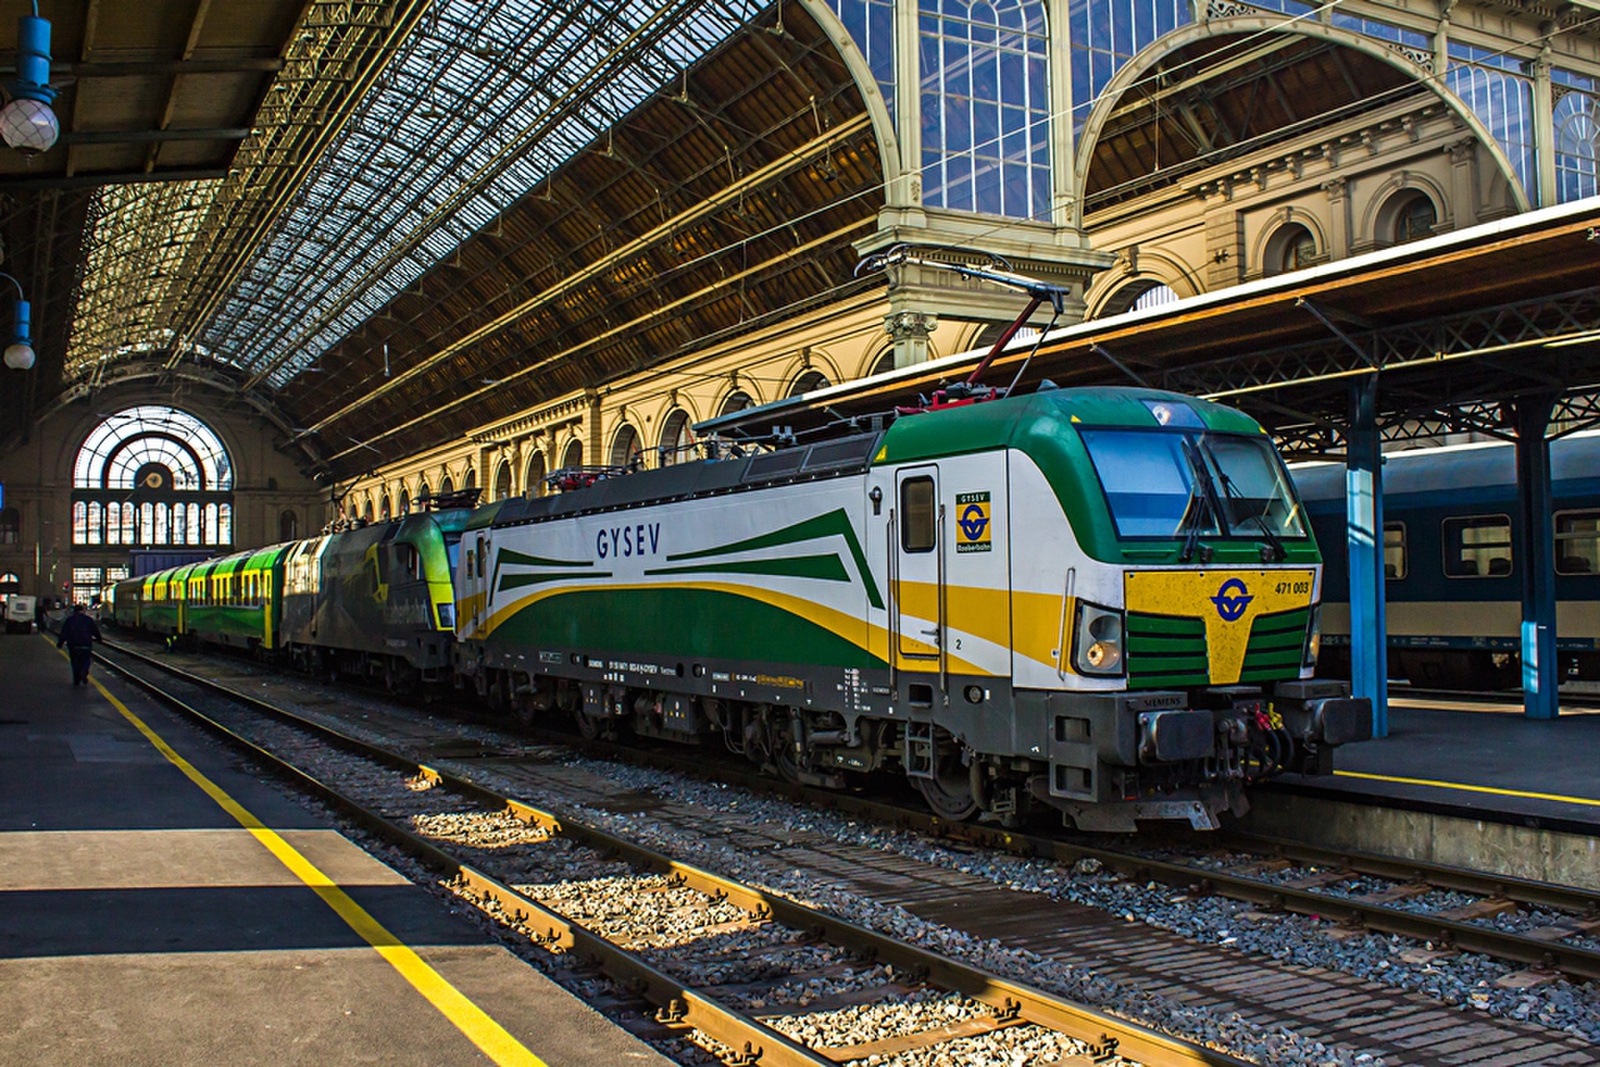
(1466, 981)
(1274, 1045)
(1462, 980)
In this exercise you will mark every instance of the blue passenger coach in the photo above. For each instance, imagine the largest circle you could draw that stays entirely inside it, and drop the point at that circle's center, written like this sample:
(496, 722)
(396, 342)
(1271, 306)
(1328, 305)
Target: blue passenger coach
(1453, 559)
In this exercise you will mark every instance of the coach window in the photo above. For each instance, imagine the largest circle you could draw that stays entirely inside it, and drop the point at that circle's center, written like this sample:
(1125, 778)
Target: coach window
(1578, 542)
(1394, 550)
(919, 527)
(1477, 546)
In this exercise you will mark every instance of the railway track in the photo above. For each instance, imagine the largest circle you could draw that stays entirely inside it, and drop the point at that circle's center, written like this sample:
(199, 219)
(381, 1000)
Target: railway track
(749, 1003)
(1342, 1011)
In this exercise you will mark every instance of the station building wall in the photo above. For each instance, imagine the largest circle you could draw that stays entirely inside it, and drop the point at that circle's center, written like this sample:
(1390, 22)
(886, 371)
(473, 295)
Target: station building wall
(38, 480)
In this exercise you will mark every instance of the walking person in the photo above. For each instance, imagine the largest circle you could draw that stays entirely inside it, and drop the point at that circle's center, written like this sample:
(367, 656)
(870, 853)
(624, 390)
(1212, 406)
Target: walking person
(79, 632)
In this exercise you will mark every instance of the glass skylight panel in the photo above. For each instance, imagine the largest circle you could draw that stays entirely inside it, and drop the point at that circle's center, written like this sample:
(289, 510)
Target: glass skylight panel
(440, 93)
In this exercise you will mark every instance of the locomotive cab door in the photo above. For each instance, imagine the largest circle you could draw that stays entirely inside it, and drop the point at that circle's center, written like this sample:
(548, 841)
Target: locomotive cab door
(477, 584)
(918, 618)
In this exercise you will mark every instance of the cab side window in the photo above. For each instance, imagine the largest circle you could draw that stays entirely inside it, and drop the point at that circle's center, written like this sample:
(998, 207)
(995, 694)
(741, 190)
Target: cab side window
(919, 522)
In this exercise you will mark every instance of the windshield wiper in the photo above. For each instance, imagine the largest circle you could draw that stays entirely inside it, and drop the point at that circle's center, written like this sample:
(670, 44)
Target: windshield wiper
(1202, 497)
(1275, 552)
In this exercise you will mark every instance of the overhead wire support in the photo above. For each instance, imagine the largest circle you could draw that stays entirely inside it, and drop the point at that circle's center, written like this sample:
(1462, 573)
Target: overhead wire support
(1038, 292)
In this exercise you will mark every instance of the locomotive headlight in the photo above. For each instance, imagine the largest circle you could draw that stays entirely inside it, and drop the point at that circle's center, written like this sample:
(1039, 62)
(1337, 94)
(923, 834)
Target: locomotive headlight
(1313, 637)
(1097, 645)
(447, 616)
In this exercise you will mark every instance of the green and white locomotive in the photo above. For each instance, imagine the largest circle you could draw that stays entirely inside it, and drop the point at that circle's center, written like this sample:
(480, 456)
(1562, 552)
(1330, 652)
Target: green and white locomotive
(1101, 600)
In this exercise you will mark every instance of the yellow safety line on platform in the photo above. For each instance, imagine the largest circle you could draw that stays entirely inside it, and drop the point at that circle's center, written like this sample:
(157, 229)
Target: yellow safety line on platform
(1470, 788)
(467, 1017)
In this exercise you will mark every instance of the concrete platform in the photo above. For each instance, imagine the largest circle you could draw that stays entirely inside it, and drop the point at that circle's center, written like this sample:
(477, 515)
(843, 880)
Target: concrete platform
(1465, 784)
(141, 923)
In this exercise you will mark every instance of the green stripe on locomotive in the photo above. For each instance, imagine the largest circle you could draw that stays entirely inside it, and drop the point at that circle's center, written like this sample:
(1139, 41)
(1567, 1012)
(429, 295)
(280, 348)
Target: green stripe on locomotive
(678, 622)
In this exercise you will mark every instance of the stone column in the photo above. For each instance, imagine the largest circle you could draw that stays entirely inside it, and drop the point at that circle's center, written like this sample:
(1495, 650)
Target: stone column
(1544, 132)
(1224, 264)
(592, 445)
(1463, 181)
(1339, 222)
(907, 191)
(910, 330)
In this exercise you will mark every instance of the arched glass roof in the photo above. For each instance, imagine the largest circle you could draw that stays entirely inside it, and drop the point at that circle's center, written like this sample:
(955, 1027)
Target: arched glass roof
(125, 442)
(483, 101)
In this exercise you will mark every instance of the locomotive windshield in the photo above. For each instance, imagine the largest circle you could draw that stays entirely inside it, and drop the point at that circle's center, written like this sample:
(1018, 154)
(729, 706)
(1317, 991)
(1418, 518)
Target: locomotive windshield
(1172, 483)
(452, 548)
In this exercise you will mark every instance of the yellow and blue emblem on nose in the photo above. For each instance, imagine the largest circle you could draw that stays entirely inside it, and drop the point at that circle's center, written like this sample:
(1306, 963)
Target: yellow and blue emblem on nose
(1232, 599)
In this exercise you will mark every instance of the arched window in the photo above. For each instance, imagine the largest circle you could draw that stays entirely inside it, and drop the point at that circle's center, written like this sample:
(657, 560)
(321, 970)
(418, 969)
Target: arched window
(405, 500)
(1138, 295)
(384, 512)
(625, 447)
(423, 493)
(289, 525)
(1155, 296)
(1577, 135)
(1291, 247)
(677, 440)
(142, 472)
(573, 456)
(1408, 216)
(534, 486)
(986, 105)
(809, 382)
(10, 582)
(447, 486)
(10, 527)
(366, 510)
(738, 400)
(883, 364)
(502, 481)
(471, 481)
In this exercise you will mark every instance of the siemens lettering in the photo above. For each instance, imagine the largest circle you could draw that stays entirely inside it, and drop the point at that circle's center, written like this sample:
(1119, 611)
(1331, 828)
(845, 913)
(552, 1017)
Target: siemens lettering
(623, 541)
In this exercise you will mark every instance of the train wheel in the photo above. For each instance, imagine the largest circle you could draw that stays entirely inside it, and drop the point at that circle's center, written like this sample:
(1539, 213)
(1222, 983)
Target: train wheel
(949, 791)
(595, 727)
(783, 756)
(523, 707)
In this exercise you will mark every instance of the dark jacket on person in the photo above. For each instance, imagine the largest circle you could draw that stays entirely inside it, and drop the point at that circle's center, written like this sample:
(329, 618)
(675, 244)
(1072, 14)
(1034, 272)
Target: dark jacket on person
(79, 631)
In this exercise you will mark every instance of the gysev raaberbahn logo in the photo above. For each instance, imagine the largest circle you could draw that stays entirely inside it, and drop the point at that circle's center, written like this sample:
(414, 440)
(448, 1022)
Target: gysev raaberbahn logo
(972, 522)
(1232, 599)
